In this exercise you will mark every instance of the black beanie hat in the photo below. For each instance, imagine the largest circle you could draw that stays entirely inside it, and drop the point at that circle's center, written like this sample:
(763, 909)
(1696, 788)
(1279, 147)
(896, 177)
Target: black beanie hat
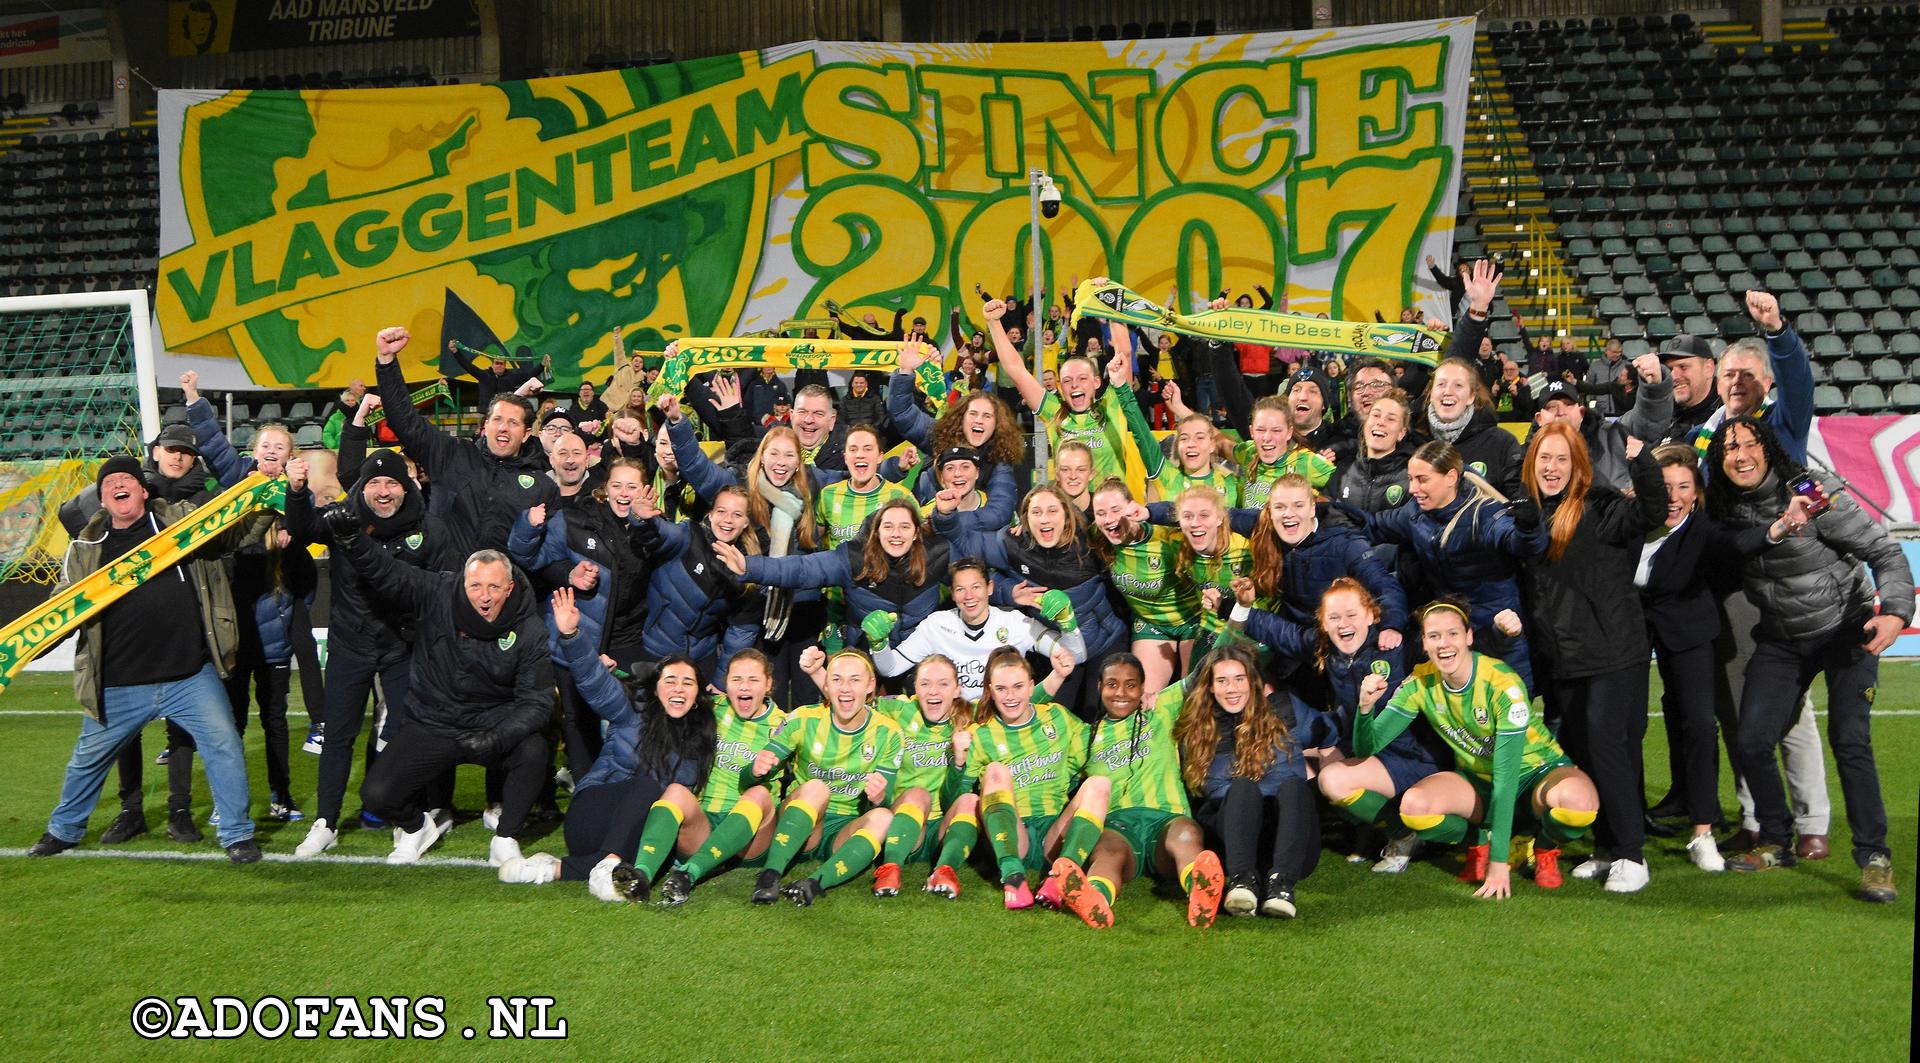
(384, 463)
(120, 463)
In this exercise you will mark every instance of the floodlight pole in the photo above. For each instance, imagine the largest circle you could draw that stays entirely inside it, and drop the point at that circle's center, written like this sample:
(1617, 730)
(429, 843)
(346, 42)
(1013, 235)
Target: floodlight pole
(1036, 179)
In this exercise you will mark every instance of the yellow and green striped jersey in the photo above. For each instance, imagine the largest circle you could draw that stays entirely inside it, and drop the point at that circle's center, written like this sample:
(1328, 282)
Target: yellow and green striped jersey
(1173, 480)
(1494, 701)
(926, 758)
(820, 750)
(840, 510)
(1256, 477)
(1100, 428)
(1145, 573)
(737, 742)
(1046, 756)
(1218, 571)
(1140, 756)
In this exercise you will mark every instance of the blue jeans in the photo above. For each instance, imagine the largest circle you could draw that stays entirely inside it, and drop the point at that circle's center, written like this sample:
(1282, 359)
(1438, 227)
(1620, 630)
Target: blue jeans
(198, 704)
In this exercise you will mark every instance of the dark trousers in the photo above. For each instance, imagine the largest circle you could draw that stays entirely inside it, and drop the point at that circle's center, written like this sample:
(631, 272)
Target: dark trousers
(1778, 674)
(607, 819)
(579, 726)
(416, 760)
(132, 766)
(1688, 700)
(1603, 720)
(270, 683)
(306, 655)
(1247, 825)
(350, 676)
(804, 625)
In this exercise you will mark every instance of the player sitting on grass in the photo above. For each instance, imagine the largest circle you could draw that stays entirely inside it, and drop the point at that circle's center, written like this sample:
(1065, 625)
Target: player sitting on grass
(1507, 767)
(1149, 829)
(1238, 754)
(845, 757)
(1346, 650)
(723, 818)
(928, 786)
(1026, 759)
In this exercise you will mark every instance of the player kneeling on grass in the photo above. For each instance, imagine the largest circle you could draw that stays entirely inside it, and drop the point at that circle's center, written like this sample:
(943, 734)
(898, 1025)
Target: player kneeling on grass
(1027, 759)
(1149, 829)
(929, 783)
(845, 756)
(1238, 753)
(1507, 766)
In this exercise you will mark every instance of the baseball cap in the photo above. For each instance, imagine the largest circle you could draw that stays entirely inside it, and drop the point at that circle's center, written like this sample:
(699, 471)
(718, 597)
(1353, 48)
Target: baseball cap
(176, 437)
(1686, 346)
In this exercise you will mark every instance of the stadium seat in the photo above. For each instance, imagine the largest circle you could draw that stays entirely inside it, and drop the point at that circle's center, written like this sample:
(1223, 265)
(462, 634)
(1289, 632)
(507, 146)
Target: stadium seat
(1848, 371)
(1905, 397)
(1828, 399)
(1865, 399)
(307, 436)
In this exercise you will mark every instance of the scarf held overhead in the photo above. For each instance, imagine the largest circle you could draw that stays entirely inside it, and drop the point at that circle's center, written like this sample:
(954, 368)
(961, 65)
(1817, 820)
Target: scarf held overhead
(1116, 302)
(696, 356)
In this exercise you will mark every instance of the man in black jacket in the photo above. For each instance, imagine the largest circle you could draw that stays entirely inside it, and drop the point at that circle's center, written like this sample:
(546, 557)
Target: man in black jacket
(479, 486)
(365, 640)
(500, 377)
(481, 692)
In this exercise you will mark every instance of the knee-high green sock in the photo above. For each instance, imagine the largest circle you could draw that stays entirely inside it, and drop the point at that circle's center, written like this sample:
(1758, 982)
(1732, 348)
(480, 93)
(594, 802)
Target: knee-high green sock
(955, 846)
(1562, 825)
(1078, 842)
(849, 860)
(657, 837)
(790, 833)
(727, 840)
(903, 837)
(1445, 828)
(1003, 830)
(1362, 806)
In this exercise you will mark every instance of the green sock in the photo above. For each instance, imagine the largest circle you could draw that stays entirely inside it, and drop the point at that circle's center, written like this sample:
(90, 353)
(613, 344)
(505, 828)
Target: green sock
(790, 833)
(1562, 825)
(1105, 886)
(1003, 830)
(657, 838)
(903, 837)
(849, 860)
(958, 842)
(1445, 828)
(1362, 806)
(726, 842)
(1077, 844)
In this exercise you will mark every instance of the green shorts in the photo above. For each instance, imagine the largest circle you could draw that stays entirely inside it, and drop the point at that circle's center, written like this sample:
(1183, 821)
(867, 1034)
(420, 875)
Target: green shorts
(831, 825)
(1037, 828)
(1143, 828)
(1523, 794)
(1148, 631)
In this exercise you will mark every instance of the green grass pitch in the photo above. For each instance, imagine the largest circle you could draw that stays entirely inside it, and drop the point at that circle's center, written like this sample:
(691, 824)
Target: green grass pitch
(1785, 964)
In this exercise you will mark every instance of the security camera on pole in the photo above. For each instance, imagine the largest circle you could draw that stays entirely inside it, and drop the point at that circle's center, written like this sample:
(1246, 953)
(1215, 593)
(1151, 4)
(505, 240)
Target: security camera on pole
(1043, 198)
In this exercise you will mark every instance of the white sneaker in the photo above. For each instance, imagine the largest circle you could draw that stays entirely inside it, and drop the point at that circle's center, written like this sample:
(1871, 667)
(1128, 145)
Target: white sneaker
(1398, 854)
(600, 880)
(1627, 876)
(320, 838)
(502, 850)
(1705, 853)
(490, 818)
(563, 779)
(1592, 868)
(412, 844)
(535, 869)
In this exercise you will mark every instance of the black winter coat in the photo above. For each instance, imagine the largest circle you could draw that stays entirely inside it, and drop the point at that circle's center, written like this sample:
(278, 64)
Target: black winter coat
(363, 619)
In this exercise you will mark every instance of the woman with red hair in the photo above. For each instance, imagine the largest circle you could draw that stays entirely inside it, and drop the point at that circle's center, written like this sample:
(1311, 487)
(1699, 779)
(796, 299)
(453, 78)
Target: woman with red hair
(1590, 637)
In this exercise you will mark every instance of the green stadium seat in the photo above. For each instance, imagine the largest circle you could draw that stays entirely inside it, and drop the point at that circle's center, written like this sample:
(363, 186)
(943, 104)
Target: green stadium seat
(1808, 323)
(1869, 345)
(1865, 399)
(1904, 299)
(1905, 397)
(1849, 323)
(1828, 347)
(1625, 328)
(1828, 399)
(1849, 371)
(1887, 371)
(1697, 325)
(1661, 328)
(1613, 306)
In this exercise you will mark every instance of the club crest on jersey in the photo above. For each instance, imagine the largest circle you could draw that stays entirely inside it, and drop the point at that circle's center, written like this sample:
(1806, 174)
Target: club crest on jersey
(1395, 494)
(507, 642)
(414, 541)
(1481, 716)
(592, 543)
(1047, 729)
(699, 567)
(1153, 563)
(1382, 669)
(866, 751)
(1478, 468)
(1000, 634)
(1024, 571)
(526, 481)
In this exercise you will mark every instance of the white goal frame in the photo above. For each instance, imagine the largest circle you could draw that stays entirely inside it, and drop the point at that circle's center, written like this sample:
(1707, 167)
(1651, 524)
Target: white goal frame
(139, 322)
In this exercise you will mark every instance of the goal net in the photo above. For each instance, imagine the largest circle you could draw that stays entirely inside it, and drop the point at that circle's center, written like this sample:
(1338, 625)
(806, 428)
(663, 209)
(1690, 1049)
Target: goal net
(76, 386)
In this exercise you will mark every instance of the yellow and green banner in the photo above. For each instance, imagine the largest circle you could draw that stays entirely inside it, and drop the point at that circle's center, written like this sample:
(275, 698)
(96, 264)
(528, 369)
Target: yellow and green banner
(722, 196)
(702, 355)
(1358, 339)
(62, 615)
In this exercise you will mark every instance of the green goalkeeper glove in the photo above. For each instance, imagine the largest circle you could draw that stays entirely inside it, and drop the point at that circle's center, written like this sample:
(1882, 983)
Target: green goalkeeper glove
(1058, 608)
(878, 626)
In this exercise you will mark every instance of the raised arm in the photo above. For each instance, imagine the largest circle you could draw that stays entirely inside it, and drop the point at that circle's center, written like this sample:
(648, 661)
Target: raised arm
(1032, 392)
(1127, 404)
(825, 568)
(220, 456)
(429, 446)
(909, 420)
(702, 472)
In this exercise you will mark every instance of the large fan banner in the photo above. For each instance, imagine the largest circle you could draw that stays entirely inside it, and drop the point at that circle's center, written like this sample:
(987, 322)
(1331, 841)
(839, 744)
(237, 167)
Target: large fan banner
(724, 196)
